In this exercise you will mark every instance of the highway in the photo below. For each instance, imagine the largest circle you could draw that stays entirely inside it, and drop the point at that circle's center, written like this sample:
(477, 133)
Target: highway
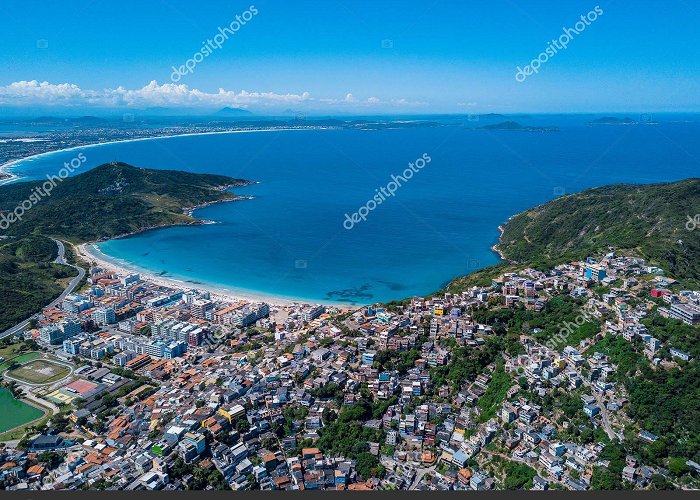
(60, 259)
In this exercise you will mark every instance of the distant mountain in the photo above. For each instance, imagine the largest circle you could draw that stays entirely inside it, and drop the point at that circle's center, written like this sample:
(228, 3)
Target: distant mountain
(65, 120)
(612, 120)
(649, 220)
(510, 125)
(91, 120)
(227, 111)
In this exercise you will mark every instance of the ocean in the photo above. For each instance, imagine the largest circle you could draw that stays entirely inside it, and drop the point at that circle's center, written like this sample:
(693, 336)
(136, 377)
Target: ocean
(290, 241)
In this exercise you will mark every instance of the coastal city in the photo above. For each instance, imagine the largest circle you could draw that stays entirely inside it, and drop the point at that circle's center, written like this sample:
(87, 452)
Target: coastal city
(132, 383)
(381, 247)
(65, 134)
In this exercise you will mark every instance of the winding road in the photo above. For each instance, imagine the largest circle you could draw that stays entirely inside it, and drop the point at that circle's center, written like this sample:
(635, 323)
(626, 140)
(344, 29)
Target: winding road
(60, 259)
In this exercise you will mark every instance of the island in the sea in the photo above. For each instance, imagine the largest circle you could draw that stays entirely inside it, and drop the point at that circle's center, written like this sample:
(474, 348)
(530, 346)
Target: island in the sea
(511, 125)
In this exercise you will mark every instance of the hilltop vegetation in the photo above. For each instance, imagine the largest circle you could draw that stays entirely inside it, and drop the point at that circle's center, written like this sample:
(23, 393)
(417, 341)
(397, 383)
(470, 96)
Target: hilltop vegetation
(647, 220)
(114, 199)
(511, 125)
(28, 278)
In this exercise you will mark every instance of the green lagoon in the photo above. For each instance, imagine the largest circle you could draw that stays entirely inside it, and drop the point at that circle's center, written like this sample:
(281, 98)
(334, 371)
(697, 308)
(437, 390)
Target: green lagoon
(14, 412)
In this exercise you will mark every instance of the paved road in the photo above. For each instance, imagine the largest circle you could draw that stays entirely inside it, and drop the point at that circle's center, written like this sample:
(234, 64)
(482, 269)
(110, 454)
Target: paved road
(60, 259)
(607, 427)
(604, 417)
(420, 472)
(47, 404)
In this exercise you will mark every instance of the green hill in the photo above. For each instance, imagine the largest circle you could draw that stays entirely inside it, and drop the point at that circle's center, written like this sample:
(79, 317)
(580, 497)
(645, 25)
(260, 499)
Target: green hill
(113, 199)
(648, 220)
(28, 278)
(107, 201)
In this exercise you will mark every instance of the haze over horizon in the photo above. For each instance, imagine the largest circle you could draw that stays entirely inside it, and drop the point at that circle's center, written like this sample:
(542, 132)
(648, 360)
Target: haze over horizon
(336, 58)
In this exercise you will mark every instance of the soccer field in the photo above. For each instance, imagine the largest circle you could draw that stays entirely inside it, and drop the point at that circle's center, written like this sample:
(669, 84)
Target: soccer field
(40, 371)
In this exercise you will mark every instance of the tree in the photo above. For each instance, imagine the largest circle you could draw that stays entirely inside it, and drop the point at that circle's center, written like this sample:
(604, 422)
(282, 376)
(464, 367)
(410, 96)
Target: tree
(50, 459)
(518, 476)
(368, 466)
(677, 466)
(661, 483)
(605, 479)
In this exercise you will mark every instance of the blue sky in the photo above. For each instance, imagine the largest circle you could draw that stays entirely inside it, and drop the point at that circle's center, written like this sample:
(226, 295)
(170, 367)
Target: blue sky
(390, 56)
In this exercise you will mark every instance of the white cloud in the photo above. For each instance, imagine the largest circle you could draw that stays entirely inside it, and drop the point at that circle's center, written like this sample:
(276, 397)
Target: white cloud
(44, 91)
(32, 92)
(153, 94)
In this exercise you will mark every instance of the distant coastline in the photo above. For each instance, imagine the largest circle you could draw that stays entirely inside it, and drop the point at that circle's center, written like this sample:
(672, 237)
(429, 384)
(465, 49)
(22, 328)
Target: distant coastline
(13, 177)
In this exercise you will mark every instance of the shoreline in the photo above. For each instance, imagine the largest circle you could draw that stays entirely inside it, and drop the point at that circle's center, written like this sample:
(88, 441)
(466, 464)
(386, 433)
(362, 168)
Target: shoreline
(90, 252)
(12, 177)
(496, 248)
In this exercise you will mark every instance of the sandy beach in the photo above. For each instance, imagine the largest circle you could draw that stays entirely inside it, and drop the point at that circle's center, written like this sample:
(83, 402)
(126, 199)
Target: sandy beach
(90, 252)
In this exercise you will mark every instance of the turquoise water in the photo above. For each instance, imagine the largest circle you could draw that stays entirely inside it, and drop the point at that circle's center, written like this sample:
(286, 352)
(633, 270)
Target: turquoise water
(290, 241)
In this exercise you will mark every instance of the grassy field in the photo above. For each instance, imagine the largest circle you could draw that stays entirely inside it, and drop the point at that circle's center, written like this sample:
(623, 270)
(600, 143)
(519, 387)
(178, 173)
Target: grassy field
(22, 358)
(40, 371)
(10, 351)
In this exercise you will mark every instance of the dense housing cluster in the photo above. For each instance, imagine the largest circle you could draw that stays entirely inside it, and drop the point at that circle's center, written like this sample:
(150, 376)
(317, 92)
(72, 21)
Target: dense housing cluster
(516, 383)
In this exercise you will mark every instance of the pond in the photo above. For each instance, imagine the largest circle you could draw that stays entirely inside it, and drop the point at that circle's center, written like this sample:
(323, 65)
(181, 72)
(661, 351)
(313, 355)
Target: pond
(14, 412)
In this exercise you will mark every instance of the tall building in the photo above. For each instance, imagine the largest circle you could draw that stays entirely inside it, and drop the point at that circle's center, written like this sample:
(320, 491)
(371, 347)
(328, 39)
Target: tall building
(312, 313)
(51, 335)
(104, 316)
(72, 346)
(56, 334)
(687, 313)
(594, 272)
(201, 307)
(70, 328)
